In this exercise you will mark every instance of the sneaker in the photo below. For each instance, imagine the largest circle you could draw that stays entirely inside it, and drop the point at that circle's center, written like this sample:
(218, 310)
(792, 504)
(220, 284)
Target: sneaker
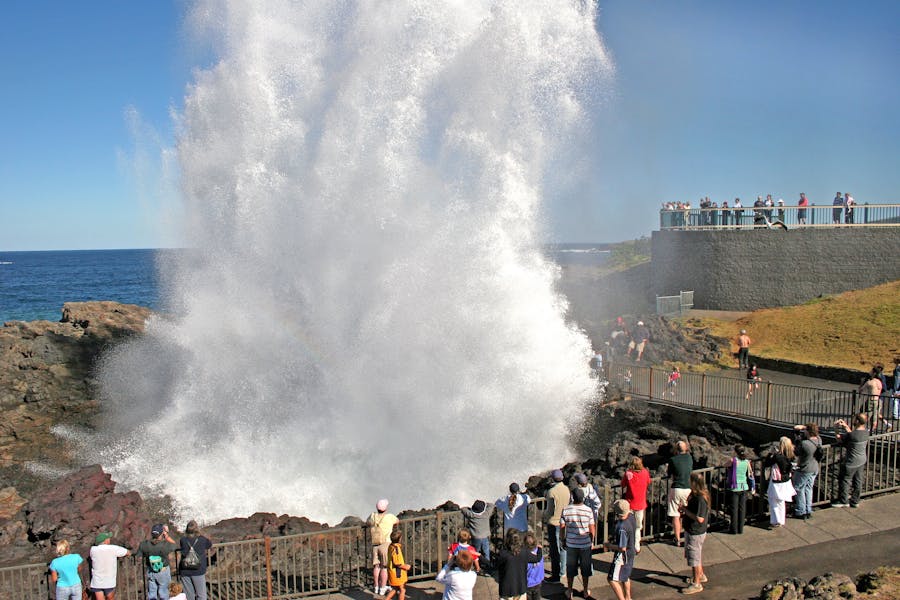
(839, 505)
(854, 506)
(694, 588)
(703, 578)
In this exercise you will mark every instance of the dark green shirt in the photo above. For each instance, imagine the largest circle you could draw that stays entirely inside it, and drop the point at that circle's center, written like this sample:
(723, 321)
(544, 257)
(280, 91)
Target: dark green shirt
(680, 467)
(150, 548)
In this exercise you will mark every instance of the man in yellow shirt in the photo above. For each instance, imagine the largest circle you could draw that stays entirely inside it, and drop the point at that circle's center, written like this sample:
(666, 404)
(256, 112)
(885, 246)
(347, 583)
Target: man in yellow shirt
(381, 524)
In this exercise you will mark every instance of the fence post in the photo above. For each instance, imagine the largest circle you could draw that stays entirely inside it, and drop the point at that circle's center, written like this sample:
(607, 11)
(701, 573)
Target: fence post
(650, 383)
(703, 391)
(605, 514)
(438, 525)
(768, 401)
(267, 542)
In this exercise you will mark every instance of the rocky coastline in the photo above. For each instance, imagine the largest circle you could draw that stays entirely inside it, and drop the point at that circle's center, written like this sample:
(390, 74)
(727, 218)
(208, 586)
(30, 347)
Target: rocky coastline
(47, 493)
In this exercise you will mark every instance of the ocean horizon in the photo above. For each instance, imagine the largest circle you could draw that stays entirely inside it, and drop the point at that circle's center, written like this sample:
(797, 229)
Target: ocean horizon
(34, 284)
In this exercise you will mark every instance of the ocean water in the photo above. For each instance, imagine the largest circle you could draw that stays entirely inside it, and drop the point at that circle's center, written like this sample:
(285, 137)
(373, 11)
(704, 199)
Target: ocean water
(34, 285)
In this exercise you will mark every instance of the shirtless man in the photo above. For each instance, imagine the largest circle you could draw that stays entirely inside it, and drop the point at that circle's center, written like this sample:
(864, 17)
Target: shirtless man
(743, 342)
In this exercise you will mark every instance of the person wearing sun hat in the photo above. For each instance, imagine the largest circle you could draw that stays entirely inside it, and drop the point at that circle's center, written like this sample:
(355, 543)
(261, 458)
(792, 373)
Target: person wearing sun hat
(381, 524)
(104, 566)
(623, 546)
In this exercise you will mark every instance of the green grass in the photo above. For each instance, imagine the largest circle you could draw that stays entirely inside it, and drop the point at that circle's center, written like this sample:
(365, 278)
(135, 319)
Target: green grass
(853, 330)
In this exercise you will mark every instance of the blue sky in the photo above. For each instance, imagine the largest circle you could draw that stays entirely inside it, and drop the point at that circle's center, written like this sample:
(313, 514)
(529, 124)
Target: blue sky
(710, 98)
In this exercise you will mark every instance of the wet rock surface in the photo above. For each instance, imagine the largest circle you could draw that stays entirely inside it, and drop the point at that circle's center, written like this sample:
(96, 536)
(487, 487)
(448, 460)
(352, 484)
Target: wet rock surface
(46, 379)
(47, 494)
(881, 583)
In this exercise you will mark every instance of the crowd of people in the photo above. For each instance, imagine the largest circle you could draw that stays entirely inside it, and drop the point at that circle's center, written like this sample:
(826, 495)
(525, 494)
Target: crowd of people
(573, 518)
(156, 554)
(763, 211)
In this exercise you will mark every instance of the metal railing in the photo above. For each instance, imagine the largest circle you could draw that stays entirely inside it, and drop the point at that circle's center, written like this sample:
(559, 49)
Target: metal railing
(764, 401)
(675, 305)
(748, 217)
(295, 566)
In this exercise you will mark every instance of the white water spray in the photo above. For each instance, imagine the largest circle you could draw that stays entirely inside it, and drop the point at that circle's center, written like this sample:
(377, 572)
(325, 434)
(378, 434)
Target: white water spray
(368, 313)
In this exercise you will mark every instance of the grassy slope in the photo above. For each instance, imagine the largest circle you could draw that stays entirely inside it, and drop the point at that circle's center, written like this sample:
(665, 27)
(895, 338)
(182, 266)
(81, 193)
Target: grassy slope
(852, 330)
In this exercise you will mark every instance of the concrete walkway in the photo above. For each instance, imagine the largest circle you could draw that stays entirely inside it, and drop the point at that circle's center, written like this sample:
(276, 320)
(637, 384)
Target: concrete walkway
(842, 540)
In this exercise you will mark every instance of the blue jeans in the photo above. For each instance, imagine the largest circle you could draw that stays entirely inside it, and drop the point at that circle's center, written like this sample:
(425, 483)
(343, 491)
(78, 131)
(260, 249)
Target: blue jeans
(483, 547)
(803, 483)
(158, 584)
(194, 586)
(557, 552)
(69, 592)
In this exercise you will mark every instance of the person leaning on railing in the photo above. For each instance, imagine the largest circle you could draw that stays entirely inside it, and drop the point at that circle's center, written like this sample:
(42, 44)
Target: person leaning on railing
(856, 443)
(740, 483)
(808, 447)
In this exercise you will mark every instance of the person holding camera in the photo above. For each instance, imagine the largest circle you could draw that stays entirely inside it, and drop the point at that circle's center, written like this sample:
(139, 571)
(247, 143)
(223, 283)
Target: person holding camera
(856, 442)
(808, 447)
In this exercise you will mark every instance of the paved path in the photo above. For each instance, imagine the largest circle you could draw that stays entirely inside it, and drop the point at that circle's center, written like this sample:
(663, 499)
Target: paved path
(842, 540)
(787, 379)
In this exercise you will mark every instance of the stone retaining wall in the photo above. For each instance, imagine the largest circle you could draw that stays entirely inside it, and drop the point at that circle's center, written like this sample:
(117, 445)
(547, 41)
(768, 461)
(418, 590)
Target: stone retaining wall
(762, 268)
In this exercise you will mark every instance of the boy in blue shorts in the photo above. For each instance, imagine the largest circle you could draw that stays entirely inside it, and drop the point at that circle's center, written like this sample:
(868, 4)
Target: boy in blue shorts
(619, 576)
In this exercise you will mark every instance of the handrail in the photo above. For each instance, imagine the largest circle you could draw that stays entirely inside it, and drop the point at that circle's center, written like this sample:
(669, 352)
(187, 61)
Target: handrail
(318, 563)
(793, 217)
(763, 401)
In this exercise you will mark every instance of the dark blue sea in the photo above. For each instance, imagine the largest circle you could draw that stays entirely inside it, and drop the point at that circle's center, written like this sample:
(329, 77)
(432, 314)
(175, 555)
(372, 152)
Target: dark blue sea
(34, 285)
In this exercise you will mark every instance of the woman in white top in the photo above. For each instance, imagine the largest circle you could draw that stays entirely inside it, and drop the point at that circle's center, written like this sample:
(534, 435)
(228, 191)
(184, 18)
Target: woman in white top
(515, 509)
(458, 577)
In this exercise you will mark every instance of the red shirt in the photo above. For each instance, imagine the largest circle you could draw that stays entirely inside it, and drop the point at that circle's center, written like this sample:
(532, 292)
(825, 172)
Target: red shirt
(634, 487)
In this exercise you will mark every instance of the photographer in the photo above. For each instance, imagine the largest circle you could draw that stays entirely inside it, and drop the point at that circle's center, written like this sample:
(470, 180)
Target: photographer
(809, 453)
(856, 441)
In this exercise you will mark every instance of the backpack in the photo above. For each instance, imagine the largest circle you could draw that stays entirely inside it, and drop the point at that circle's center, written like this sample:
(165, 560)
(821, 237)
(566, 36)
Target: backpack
(191, 560)
(819, 453)
(375, 527)
(157, 563)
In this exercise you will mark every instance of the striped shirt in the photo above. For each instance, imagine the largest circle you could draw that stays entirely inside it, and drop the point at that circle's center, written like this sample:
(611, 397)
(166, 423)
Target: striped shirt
(578, 519)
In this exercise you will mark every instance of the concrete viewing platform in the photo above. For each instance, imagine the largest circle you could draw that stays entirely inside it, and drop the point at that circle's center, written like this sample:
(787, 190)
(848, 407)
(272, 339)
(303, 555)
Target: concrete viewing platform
(841, 540)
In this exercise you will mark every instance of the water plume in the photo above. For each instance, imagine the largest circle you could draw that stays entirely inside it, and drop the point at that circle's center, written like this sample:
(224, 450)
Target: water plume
(367, 312)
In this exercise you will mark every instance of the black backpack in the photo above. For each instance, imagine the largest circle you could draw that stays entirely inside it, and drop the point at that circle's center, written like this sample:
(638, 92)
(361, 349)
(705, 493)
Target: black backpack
(191, 560)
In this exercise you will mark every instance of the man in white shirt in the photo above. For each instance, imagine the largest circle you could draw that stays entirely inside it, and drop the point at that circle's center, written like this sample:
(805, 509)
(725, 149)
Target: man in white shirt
(104, 565)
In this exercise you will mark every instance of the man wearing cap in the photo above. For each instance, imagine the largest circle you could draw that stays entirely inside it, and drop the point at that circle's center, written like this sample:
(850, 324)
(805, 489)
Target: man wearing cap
(679, 470)
(619, 576)
(155, 553)
(104, 566)
(557, 499)
(743, 342)
(591, 497)
(381, 524)
(579, 527)
(639, 340)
